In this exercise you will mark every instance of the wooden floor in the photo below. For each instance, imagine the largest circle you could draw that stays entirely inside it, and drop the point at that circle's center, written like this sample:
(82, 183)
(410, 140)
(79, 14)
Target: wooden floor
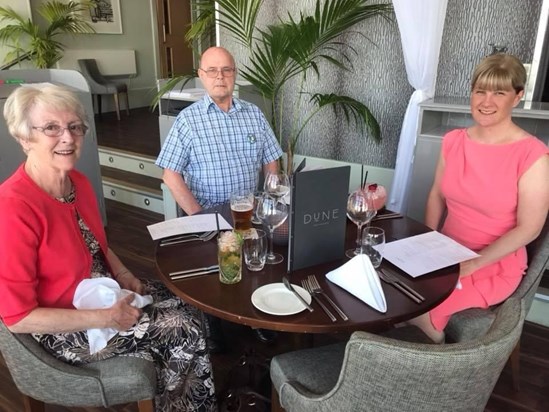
(129, 238)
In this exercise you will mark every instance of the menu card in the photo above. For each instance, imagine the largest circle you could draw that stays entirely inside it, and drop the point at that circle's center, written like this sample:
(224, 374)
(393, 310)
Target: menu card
(318, 216)
(187, 224)
(425, 253)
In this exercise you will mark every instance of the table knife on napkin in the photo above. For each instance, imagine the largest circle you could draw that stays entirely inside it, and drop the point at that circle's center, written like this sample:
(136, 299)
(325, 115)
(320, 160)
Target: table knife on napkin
(291, 289)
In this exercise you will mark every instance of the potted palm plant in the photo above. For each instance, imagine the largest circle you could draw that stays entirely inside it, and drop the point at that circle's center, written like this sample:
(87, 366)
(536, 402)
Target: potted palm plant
(40, 46)
(290, 51)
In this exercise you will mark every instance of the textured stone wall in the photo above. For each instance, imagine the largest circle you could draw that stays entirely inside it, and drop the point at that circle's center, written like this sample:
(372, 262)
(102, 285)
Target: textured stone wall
(471, 26)
(379, 77)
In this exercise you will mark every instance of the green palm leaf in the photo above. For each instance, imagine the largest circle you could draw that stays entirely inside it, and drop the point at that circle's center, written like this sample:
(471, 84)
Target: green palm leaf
(203, 24)
(65, 17)
(23, 36)
(355, 112)
(294, 49)
(239, 17)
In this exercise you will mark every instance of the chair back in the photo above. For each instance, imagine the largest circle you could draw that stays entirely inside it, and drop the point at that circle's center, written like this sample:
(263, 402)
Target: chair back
(41, 376)
(538, 261)
(383, 374)
(98, 83)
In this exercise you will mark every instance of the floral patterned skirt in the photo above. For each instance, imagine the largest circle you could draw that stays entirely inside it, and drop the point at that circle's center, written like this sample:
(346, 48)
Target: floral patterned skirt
(169, 333)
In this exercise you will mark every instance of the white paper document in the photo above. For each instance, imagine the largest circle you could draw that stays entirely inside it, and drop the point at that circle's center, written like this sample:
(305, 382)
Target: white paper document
(425, 253)
(187, 224)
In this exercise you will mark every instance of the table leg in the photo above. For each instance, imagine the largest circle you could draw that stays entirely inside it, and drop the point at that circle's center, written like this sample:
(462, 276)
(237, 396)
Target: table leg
(275, 401)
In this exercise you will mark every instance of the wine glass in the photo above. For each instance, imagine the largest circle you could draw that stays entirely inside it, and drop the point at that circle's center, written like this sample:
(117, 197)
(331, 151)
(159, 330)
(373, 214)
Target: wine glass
(361, 210)
(272, 213)
(276, 185)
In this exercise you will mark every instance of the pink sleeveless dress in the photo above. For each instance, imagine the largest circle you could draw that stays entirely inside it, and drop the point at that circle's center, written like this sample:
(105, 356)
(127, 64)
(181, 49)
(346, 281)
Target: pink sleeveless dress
(480, 184)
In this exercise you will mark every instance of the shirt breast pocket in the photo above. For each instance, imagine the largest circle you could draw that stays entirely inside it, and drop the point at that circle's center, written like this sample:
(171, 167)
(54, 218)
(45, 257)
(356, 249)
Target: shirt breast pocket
(247, 145)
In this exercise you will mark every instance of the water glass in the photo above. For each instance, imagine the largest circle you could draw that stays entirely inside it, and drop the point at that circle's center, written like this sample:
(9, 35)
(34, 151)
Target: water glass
(373, 243)
(255, 250)
(229, 257)
(257, 197)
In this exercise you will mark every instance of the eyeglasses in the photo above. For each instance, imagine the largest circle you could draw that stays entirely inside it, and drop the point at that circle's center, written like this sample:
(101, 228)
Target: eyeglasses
(54, 130)
(225, 71)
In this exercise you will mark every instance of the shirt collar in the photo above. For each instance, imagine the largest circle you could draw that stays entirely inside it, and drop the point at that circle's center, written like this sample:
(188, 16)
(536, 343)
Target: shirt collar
(209, 103)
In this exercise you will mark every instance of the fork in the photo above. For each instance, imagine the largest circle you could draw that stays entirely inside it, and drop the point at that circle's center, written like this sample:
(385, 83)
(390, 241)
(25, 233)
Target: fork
(309, 289)
(206, 236)
(317, 290)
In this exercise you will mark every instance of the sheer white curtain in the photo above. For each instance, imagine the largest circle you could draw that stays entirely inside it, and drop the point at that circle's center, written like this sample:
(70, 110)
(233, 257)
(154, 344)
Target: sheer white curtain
(420, 23)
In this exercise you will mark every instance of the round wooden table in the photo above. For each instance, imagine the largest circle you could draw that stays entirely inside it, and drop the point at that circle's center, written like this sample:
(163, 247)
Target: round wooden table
(233, 302)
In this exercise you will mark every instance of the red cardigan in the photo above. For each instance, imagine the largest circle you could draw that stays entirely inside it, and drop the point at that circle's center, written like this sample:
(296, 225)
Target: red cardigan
(43, 256)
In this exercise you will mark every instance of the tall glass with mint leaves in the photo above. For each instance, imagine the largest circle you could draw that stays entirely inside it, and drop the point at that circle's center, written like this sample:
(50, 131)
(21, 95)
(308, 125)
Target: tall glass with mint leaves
(229, 257)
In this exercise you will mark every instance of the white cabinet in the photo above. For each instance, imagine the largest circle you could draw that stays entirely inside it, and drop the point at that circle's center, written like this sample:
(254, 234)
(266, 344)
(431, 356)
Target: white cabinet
(440, 115)
(181, 97)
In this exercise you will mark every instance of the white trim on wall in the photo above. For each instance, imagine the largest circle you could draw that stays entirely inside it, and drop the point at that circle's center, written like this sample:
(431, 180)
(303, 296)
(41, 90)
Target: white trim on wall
(538, 51)
(154, 39)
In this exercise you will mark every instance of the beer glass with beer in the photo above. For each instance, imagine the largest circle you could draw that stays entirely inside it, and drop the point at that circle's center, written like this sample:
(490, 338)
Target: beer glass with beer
(242, 206)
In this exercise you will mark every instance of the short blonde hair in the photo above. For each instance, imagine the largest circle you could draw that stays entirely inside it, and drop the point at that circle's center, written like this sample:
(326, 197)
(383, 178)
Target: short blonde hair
(24, 98)
(499, 72)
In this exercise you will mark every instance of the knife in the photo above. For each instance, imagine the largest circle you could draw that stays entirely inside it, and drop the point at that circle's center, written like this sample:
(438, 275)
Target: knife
(291, 289)
(395, 276)
(193, 272)
(387, 216)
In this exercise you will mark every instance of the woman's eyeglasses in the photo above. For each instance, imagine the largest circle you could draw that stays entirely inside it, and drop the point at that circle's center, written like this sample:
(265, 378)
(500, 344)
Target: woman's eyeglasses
(225, 71)
(54, 130)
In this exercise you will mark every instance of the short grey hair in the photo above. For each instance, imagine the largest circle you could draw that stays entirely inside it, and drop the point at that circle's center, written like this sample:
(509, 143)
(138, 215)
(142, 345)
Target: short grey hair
(24, 98)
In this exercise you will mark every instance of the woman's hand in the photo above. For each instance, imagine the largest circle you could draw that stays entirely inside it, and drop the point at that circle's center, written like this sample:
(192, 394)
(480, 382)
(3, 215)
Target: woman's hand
(123, 315)
(128, 281)
(468, 267)
(122, 275)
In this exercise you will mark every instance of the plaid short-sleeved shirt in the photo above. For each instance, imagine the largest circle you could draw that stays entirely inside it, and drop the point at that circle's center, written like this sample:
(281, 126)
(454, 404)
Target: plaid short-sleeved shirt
(219, 152)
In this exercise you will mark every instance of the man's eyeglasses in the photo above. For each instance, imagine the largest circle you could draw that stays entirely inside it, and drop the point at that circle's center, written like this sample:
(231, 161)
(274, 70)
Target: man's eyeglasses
(225, 71)
(54, 130)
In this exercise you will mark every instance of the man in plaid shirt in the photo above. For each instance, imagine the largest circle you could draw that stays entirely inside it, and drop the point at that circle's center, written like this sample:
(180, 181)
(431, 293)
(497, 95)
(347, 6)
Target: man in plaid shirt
(218, 144)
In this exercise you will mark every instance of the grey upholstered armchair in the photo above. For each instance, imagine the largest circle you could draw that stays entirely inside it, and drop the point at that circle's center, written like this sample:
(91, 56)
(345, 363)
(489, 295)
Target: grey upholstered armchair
(99, 85)
(375, 373)
(471, 323)
(43, 379)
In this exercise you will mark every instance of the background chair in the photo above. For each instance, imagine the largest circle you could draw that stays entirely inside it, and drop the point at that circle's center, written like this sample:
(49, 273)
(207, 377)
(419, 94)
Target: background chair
(375, 373)
(99, 85)
(41, 378)
(471, 323)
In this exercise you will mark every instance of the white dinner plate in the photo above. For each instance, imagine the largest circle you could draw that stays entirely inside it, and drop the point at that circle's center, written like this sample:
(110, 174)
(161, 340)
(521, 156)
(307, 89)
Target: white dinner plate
(275, 299)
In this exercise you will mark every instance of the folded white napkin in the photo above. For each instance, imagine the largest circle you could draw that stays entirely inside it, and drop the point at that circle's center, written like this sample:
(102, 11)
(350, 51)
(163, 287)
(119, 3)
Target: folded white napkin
(359, 278)
(100, 293)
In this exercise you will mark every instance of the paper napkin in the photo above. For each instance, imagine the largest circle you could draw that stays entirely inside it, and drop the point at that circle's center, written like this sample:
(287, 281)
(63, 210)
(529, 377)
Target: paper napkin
(100, 293)
(359, 278)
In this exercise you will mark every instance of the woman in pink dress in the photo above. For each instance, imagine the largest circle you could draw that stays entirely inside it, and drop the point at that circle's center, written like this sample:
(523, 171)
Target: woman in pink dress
(490, 193)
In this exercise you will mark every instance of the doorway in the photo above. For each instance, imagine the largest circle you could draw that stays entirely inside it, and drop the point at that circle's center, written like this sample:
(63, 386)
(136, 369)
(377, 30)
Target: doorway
(173, 20)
